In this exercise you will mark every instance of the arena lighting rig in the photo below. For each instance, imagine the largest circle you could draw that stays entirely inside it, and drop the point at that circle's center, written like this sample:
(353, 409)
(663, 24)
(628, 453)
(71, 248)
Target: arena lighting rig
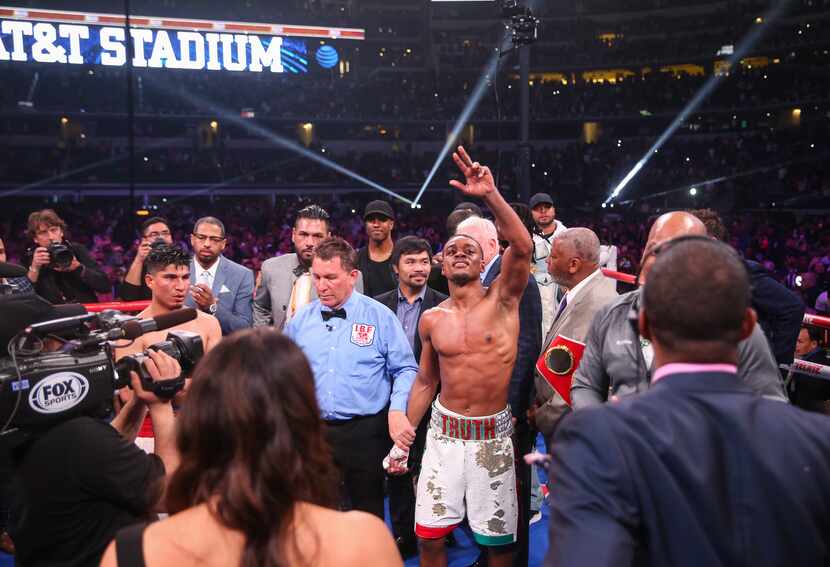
(481, 87)
(748, 42)
(522, 30)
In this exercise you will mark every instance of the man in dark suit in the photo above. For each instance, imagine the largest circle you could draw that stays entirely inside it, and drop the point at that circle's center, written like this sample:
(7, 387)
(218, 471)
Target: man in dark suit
(411, 260)
(698, 470)
(521, 380)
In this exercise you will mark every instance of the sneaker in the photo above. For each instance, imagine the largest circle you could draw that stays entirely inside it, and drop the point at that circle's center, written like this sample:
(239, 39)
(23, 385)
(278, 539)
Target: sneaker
(535, 517)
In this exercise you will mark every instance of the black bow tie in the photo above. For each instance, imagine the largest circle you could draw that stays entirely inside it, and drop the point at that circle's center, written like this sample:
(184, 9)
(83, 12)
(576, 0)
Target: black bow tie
(341, 313)
(300, 270)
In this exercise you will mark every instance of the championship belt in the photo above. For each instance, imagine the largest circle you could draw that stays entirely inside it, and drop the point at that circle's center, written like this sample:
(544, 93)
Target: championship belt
(558, 363)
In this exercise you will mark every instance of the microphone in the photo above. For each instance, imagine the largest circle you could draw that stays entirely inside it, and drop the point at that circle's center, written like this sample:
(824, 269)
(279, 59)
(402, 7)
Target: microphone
(133, 329)
(8, 270)
(59, 325)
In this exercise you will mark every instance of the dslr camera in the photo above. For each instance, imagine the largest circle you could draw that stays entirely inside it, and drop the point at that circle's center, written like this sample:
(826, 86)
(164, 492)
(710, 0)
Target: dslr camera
(60, 254)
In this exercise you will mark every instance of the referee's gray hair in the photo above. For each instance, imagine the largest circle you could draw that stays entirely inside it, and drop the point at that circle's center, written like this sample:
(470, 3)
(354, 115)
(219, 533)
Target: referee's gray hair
(584, 242)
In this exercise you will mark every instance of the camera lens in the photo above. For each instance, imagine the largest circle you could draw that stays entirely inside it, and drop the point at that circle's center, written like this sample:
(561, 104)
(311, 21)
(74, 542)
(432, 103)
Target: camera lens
(60, 255)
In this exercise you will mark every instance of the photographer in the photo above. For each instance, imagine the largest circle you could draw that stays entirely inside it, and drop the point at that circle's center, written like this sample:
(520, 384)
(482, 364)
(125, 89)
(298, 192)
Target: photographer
(61, 271)
(154, 231)
(80, 481)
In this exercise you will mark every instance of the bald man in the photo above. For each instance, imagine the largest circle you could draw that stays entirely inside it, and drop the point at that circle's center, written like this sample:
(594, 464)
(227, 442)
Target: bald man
(573, 263)
(618, 362)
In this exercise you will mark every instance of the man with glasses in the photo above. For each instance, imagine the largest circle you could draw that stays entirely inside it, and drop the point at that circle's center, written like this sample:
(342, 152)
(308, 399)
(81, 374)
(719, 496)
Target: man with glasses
(154, 231)
(220, 286)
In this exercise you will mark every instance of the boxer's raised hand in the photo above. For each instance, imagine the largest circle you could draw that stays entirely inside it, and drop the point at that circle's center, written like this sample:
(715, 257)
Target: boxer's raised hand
(479, 180)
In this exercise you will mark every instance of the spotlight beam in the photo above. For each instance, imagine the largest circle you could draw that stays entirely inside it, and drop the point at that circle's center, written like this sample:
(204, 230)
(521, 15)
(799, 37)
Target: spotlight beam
(747, 43)
(472, 103)
(718, 180)
(278, 140)
(82, 169)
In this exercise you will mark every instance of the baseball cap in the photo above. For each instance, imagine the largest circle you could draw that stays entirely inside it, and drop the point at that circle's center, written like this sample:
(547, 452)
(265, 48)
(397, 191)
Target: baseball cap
(540, 198)
(21, 310)
(379, 208)
(468, 206)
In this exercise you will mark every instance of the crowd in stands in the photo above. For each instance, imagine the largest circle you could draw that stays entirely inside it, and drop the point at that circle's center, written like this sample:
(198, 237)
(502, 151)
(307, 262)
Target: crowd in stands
(795, 249)
(408, 98)
(760, 167)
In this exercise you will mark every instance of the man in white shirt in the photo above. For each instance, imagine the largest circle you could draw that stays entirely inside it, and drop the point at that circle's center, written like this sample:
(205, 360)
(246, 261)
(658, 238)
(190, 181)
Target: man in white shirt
(547, 227)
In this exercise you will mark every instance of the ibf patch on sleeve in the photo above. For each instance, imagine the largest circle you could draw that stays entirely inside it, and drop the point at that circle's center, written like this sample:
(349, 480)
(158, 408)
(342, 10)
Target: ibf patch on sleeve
(363, 334)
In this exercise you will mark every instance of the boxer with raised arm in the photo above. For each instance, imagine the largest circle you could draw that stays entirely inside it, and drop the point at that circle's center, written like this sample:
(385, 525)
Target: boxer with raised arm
(469, 345)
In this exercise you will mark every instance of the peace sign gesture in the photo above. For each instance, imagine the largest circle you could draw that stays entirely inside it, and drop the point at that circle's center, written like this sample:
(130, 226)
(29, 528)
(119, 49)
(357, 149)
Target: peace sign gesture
(480, 181)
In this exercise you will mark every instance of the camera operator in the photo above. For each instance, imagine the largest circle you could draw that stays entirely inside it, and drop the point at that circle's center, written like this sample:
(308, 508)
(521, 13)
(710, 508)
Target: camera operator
(154, 231)
(78, 482)
(61, 271)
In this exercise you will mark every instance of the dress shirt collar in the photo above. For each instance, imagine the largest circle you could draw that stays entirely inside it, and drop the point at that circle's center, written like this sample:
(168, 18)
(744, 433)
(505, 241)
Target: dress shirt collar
(571, 295)
(402, 298)
(211, 270)
(487, 268)
(690, 368)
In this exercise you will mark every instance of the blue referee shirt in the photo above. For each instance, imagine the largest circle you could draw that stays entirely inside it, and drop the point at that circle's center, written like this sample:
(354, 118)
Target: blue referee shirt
(361, 363)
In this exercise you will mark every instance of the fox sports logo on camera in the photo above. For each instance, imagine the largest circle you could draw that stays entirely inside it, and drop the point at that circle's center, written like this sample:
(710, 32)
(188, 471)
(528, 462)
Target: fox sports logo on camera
(59, 392)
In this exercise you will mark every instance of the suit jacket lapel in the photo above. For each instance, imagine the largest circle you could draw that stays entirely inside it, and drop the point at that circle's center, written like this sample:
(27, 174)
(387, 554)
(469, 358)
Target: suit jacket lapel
(221, 276)
(494, 272)
(584, 294)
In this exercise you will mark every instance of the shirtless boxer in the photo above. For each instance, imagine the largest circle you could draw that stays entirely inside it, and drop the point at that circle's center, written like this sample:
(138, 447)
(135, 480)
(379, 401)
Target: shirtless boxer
(168, 277)
(469, 344)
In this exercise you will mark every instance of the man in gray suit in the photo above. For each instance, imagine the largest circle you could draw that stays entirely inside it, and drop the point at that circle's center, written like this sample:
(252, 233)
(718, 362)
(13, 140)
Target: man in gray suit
(220, 286)
(286, 284)
(618, 361)
(573, 263)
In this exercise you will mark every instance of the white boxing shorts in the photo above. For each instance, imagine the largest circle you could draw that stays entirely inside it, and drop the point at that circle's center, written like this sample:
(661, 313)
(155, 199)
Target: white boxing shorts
(468, 468)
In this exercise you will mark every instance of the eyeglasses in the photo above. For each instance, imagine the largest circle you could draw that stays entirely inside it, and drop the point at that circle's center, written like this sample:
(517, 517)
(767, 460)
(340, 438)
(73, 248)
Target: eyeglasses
(213, 239)
(158, 233)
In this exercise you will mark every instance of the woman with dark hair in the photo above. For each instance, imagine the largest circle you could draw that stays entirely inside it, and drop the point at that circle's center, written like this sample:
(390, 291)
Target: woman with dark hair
(256, 479)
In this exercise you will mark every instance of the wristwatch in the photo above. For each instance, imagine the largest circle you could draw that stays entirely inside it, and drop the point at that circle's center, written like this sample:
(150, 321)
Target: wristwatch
(212, 308)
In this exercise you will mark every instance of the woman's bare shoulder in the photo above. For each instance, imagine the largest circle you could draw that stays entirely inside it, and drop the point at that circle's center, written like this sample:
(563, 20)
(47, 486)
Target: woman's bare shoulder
(355, 539)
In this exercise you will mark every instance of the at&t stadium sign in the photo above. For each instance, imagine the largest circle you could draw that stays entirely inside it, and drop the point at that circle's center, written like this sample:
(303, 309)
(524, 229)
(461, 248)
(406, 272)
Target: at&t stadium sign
(82, 38)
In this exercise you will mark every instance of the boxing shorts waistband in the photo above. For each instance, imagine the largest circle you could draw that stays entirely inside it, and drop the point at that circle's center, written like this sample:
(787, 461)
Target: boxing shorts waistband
(477, 428)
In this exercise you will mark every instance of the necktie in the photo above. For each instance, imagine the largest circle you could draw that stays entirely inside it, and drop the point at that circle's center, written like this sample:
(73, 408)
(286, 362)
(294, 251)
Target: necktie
(204, 278)
(300, 295)
(562, 305)
(337, 313)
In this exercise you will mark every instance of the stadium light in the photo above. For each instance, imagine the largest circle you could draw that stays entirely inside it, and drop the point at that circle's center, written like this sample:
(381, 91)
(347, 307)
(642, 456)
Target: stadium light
(747, 43)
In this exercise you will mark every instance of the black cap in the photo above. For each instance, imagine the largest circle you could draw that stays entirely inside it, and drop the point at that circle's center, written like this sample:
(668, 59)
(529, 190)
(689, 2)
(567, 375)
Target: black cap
(468, 206)
(379, 208)
(21, 310)
(540, 198)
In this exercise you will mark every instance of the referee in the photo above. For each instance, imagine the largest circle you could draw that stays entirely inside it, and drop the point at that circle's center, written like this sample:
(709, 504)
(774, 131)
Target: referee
(363, 370)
